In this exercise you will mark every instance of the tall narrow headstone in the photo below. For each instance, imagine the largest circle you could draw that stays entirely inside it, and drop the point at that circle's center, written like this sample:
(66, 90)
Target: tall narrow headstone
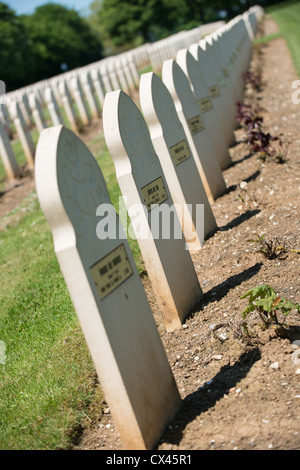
(208, 114)
(23, 134)
(106, 290)
(88, 89)
(53, 107)
(67, 103)
(121, 74)
(78, 95)
(112, 72)
(98, 85)
(189, 114)
(175, 155)
(8, 157)
(226, 87)
(145, 190)
(133, 69)
(105, 77)
(37, 112)
(25, 109)
(218, 98)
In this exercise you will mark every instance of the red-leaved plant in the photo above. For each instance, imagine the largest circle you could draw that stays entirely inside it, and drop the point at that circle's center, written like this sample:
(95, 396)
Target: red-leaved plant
(257, 139)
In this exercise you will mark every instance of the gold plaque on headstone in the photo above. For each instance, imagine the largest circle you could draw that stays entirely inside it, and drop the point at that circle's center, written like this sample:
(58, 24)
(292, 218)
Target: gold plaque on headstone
(111, 271)
(180, 152)
(154, 193)
(205, 104)
(195, 125)
(214, 91)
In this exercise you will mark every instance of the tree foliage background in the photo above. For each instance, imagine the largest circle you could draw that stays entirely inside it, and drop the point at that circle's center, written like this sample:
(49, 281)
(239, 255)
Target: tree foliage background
(51, 40)
(54, 38)
(129, 23)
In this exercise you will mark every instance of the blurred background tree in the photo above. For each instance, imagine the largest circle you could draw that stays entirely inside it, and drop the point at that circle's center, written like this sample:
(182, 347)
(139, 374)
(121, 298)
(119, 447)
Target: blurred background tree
(51, 40)
(60, 39)
(16, 61)
(54, 38)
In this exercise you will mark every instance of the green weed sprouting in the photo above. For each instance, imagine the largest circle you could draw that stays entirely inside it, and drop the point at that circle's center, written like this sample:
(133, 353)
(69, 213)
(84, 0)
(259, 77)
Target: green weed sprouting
(264, 300)
(271, 248)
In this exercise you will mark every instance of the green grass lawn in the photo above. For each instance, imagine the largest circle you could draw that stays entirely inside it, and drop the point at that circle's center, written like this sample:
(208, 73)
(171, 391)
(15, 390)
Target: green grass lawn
(287, 17)
(47, 376)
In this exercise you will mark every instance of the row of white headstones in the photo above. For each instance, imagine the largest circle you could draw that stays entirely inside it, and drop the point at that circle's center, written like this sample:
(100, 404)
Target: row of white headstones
(80, 93)
(172, 155)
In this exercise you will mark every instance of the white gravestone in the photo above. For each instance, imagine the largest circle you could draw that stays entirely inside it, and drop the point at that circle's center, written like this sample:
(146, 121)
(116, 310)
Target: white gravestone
(98, 85)
(79, 98)
(144, 188)
(53, 107)
(112, 71)
(8, 157)
(105, 77)
(88, 89)
(208, 114)
(23, 134)
(189, 114)
(129, 58)
(67, 103)
(225, 86)
(175, 155)
(122, 77)
(218, 98)
(25, 109)
(37, 112)
(106, 291)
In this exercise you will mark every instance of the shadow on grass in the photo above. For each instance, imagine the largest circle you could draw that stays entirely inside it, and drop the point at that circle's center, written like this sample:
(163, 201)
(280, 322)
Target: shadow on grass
(205, 397)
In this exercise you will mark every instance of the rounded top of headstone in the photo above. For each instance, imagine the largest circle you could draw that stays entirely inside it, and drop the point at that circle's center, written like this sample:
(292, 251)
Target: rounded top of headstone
(69, 184)
(195, 50)
(191, 68)
(126, 132)
(179, 86)
(156, 100)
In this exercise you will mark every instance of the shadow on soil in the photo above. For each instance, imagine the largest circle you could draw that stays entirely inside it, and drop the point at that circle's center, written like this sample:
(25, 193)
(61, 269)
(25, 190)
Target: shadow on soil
(234, 223)
(240, 219)
(222, 289)
(208, 394)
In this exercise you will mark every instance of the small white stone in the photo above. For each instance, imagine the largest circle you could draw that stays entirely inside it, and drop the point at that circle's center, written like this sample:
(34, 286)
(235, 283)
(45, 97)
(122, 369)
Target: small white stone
(274, 366)
(217, 357)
